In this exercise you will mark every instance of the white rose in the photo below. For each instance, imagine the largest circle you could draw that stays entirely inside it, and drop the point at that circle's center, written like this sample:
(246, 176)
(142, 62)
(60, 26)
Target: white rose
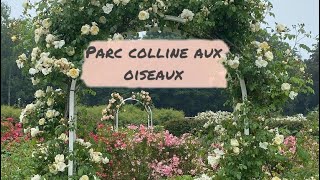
(187, 14)
(236, 150)
(143, 15)
(50, 38)
(269, 55)
(34, 131)
(107, 8)
(73, 73)
(117, 2)
(53, 169)
(263, 145)
(117, 37)
(59, 158)
(125, 2)
(105, 160)
(63, 137)
(94, 30)
(84, 177)
(293, 95)
(35, 81)
(213, 160)
(39, 93)
(261, 63)
(285, 87)
(280, 28)
(278, 139)
(218, 152)
(59, 44)
(85, 29)
(42, 121)
(50, 101)
(51, 113)
(234, 142)
(234, 64)
(46, 23)
(33, 71)
(61, 166)
(36, 177)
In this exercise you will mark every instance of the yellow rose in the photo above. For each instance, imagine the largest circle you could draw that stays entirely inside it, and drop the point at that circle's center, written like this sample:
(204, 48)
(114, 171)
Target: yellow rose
(74, 73)
(14, 38)
(278, 139)
(265, 46)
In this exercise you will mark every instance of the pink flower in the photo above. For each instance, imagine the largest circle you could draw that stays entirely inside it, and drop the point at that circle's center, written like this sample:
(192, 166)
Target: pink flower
(132, 127)
(291, 143)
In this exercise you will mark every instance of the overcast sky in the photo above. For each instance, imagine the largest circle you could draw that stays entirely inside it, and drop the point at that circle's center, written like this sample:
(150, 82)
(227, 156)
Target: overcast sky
(288, 12)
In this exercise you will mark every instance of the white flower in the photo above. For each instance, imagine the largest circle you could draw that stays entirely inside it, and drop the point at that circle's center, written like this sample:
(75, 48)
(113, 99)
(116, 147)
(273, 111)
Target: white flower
(59, 44)
(234, 142)
(73, 73)
(236, 150)
(19, 64)
(218, 152)
(107, 8)
(187, 14)
(213, 160)
(203, 177)
(234, 64)
(84, 177)
(46, 23)
(125, 2)
(105, 160)
(255, 27)
(285, 87)
(302, 69)
(263, 145)
(25, 4)
(143, 15)
(52, 113)
(275, 178)
(117, 2)
(278, 139)
(293, 95)
(33, 71)
(94, 30)
(61, 166)
(42, 121)
(34, 131)
(50, 101)
(59, 158)
(36, 177)
(95, 156)
(85, 29)
(63, 137)
(39, 93)
(261, 63)
(35, 81)
(281, 28)
(117, 37)
(50, 38)
(269, 55)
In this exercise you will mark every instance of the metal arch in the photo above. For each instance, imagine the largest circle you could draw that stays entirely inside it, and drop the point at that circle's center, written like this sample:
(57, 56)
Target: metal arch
(147, 108)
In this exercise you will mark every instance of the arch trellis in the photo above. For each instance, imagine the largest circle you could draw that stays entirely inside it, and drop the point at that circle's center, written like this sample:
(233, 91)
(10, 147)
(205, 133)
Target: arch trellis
(72, 133)
(146, 107)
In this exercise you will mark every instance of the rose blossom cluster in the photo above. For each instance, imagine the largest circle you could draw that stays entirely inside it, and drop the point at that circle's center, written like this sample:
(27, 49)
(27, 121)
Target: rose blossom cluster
(166, 168)
(113, 105)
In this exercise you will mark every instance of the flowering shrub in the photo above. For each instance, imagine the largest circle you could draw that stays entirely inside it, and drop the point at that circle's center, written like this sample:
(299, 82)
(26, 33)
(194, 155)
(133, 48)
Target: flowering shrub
(141, 153)
(10, 131)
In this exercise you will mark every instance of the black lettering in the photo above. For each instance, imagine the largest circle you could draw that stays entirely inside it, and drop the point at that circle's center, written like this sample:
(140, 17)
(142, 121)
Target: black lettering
(130, 53)
(100, 53)
(160, 75)
(90, 50)
(143, 73)
(198, 53)
(217, 53)
(129, 73)
(151, 75)
(184, 53)
(179, 75)
(142, 53)
(109, 53)
(208, 55)
(171, 76)
(116, 53)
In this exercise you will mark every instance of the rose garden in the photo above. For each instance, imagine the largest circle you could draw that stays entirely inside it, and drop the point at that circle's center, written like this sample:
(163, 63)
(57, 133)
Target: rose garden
(251, 142)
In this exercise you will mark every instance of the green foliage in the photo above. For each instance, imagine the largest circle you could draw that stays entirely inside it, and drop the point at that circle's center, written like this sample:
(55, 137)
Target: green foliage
(180, 126)
(88, 117)
(9, 111)
(16, 161)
